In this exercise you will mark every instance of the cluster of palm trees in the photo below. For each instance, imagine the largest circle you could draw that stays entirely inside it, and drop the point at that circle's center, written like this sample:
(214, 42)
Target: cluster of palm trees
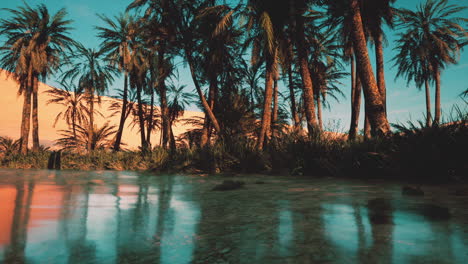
(230, 49)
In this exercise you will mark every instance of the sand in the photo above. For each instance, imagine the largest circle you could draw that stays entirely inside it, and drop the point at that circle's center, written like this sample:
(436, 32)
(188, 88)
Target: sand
(11, 108)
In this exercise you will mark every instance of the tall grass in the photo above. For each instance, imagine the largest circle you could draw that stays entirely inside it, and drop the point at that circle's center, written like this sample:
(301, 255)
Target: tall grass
(414, 152)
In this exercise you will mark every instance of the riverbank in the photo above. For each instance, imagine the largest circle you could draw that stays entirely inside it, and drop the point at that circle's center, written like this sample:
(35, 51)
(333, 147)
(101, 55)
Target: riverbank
(414, 154)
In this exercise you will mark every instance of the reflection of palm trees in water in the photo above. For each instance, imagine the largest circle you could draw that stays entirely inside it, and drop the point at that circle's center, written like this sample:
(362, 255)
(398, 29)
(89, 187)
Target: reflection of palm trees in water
(80, 250)
(15, 253)
(361, 232)
(381, 219)
(164, 200)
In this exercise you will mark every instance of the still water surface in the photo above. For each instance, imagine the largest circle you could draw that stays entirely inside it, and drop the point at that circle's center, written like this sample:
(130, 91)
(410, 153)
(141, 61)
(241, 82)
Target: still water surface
(129, 217)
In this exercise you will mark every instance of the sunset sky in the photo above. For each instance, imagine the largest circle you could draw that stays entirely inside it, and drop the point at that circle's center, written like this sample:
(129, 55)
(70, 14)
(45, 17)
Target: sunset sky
(404, 102)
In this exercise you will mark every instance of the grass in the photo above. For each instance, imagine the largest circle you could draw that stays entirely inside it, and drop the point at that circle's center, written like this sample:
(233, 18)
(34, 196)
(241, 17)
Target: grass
(415, 152)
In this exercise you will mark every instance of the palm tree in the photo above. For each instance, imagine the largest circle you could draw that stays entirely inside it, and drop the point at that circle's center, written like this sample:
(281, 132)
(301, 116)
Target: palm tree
(120, 37)
(35, 43)
(177, 104)
(72, 99)
(375, 14)
(160, 17)
(433, 38)
(350, 10)
(102, 138)
(8, 146)
(297, 10)
(89, 68)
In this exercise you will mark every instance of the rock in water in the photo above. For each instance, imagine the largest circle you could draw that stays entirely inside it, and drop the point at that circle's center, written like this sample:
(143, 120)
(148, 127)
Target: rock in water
(408, 190)
(229, 185)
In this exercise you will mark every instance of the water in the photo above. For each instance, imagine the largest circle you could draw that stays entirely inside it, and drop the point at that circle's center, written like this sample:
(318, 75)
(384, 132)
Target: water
(128, 217)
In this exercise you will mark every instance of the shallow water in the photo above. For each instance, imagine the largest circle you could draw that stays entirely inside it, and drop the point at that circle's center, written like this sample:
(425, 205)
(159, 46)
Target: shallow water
(128, 217)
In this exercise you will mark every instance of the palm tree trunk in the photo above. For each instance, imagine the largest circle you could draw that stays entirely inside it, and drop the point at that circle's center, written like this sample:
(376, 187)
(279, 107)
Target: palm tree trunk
(266, 117)
(374, 103)
(295, 116)
(379, 57)
(319, 112)
(25, 120)
(150, 119)
(141, 119)
(205, 104)
(308, 90)
(274, 116)
(437, 97)
(35, 116)
(173, 141)
(205, 137)
(91, 119)
(74, 122)
(355, 102)
(163, 97)
(367, 126)
(118, 138)
(428, 105)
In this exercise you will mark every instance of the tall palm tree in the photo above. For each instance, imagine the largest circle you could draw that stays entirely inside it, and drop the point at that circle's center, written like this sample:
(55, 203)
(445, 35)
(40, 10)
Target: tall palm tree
(120, 37)
(297, 11)
(72, 99)
(160, 17)
(433, 38)
(375, 14)
(351, 10)
(94, 75)
(35, 44)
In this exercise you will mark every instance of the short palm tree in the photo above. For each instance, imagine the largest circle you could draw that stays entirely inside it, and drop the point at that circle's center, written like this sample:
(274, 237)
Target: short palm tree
(432, 39)
(102, 138)
(73, 100)
(90, 70)
(179, 100)
(35, 44)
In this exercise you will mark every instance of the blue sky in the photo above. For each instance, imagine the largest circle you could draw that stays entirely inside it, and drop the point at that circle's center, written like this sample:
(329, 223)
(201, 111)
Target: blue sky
(404, 102)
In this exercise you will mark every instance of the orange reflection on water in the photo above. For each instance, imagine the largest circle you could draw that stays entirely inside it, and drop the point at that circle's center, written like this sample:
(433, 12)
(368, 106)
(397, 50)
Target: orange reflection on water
(7, 207)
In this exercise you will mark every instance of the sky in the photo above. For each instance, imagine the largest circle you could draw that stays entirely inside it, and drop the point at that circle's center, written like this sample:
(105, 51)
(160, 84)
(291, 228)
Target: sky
(404, 102)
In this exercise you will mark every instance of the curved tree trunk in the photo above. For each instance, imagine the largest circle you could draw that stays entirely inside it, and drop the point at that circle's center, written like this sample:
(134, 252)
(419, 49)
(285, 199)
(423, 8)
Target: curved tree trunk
(374, 103)
(205, 137)
(355, 101)
(308, 90)
(379, 57)
(266, 116)
(295, 116)
(118, 138)
(437, 111)
(205, 104)
(428, 105)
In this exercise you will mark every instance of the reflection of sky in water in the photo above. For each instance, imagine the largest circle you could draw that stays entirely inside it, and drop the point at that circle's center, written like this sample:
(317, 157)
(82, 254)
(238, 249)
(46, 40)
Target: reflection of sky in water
(285, 229)
(178, 242)
(115, 220)
(341, 226)
(412, 239)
